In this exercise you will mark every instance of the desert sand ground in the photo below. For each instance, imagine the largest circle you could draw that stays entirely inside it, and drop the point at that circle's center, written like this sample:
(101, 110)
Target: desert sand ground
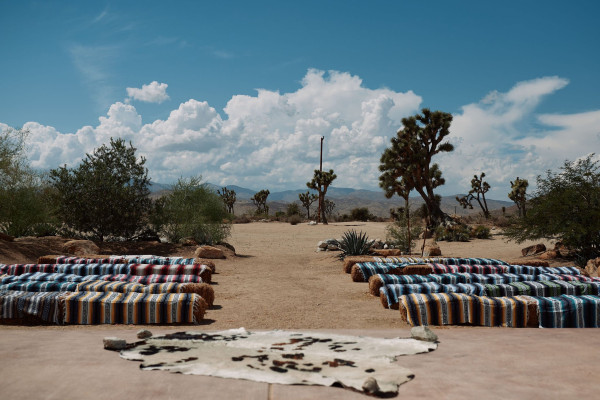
(279, 281)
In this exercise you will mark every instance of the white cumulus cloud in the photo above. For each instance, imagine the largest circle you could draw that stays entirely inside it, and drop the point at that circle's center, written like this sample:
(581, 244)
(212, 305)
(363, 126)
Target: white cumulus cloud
(271, 140)
(153, 92)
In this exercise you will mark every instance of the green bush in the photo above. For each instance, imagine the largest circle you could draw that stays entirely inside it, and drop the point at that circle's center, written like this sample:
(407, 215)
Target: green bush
(192, 210)
(480, 232)
(107, 195)
(453, 233)
(354, 244)
(25, 207)
(360, 214)
(293, 209)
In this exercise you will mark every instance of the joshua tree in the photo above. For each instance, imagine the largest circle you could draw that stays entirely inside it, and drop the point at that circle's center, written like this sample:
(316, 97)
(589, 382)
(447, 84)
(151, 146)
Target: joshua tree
(320, 182)
(518, 194)
(478, 190)
(260, 201)
(329, 207)
(410, 155)
(228, 197)
(307, 199)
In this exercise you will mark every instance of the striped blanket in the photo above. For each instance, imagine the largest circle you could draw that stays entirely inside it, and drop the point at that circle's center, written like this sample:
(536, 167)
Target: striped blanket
(390, 294)
(460, 308)
(87, 308)
(43, 306)
(558, 270)
(19, 269)
(483, 269)
(126, 287)
(441, 260)
(568, 311)
(368, 269)
(39, 286)
(126, 259)
(135, 269)
(50, 276)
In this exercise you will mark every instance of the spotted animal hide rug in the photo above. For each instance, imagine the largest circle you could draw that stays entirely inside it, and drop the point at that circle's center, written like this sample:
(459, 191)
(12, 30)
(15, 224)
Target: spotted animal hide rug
(364, 364)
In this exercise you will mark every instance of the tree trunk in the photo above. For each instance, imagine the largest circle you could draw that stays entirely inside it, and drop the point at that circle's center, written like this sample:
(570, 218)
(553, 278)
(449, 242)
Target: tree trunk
(407, 213)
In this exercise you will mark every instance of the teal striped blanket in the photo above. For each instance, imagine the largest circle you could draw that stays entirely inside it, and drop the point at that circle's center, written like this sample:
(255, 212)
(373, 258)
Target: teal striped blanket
(126, 259)
(39, 286)
(568, 311)
(440, 260)
(24, 305)
(391, 293)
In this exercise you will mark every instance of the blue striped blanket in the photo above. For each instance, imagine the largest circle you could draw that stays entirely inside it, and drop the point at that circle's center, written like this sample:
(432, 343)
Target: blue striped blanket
(391, 293)
(42, 305)
(568, 311)
(39, 286)
(440, 260)
(126, 259)
(48, 276)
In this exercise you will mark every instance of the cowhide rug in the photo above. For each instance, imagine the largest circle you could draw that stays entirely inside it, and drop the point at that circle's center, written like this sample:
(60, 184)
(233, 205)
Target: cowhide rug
(364, 364)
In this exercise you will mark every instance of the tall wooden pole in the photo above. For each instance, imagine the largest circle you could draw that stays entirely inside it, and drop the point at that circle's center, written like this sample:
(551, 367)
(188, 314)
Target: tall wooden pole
(320, 188)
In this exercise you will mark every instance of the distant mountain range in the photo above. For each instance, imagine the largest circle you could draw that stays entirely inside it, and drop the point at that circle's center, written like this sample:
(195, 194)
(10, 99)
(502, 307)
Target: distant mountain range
(345, 200)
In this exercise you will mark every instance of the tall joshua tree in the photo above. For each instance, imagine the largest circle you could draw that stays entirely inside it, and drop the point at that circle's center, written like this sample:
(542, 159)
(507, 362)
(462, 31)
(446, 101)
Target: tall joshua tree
(478, 190)
(307, 199)
(260, 201)
(228, 197)
(321, 182)
(518, 194)
(411, 152)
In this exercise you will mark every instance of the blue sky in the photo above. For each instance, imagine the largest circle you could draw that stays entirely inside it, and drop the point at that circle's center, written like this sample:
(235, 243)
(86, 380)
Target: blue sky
(240, 91)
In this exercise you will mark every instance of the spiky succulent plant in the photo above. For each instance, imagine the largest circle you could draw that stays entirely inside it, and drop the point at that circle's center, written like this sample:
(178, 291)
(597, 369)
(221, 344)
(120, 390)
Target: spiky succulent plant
(354, 244)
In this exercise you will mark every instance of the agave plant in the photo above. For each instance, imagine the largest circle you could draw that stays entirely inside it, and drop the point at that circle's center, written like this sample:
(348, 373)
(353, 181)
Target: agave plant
(354, 244)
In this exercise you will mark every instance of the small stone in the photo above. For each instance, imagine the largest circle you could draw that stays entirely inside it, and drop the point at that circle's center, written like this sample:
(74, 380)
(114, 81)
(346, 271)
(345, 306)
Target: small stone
(423, 333)
(371, 386)
(332, 247)
(114, 343)
(144, 334)
(385, 246)
(312, 223)
(323, 244)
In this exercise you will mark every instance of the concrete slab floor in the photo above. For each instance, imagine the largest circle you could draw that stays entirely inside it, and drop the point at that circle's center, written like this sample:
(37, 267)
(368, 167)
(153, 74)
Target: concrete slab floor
(470, 363)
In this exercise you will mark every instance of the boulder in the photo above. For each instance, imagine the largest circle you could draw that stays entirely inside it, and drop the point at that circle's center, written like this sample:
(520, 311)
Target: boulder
(208, 252)
(423, 333)
(535, 249)
(80, 247)
(144, 334)
(432, 250)
(563, 250)
(6, 237)
(114, 343)
(550, 255)
(593, 267)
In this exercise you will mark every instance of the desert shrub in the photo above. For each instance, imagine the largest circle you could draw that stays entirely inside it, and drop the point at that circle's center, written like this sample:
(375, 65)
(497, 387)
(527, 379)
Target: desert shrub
(452, 233)
(25, 207)
(106, 195)
(360, 214)
(480, 232)
(565, 207)
(292, 209)
(502, 222)
(397, 233)
(354, 244)
(279, 216)
(192, 210)
(295, 219)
